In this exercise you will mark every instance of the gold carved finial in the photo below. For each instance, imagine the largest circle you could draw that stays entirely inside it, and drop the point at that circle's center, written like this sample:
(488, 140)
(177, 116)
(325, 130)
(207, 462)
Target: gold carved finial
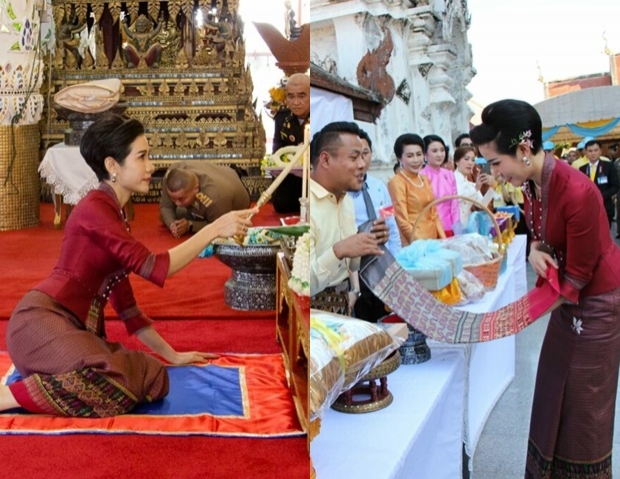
(293, 56)
(179, 88)
(181, 140)
(164, 88)
(193, 88)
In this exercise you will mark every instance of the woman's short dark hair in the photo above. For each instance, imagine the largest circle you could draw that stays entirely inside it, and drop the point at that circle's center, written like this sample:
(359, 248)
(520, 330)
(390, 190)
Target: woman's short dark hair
(404, 140)
(428, 139)
(507, 123)
(461, 151)
(111, 135)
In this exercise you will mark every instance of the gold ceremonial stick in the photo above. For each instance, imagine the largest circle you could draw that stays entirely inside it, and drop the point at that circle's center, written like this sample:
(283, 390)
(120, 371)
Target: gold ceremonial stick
(266, 195)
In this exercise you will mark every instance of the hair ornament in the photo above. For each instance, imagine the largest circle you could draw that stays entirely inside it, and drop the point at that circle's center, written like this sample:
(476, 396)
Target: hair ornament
(525, 138)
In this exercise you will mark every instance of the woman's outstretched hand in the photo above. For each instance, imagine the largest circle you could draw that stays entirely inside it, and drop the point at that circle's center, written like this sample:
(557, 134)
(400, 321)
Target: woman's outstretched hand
(234, 223)
(189, 357)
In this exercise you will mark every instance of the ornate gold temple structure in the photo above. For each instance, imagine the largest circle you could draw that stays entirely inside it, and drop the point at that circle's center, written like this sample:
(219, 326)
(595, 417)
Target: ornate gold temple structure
(182, 66)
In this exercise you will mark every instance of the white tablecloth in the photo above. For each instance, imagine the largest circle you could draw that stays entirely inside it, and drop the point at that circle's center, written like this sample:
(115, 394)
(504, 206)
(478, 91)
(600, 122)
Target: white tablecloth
(438, 405)
(490, 366)
(420, 435)
(64, 168)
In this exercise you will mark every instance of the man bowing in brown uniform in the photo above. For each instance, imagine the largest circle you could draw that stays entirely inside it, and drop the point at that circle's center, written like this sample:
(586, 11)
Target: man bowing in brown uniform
(196, 193)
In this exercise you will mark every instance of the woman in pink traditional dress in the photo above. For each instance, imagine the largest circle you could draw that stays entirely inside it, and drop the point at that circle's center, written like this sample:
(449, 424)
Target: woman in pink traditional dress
(56, 334)
(442, 181)
(571, 429)
(411, 192)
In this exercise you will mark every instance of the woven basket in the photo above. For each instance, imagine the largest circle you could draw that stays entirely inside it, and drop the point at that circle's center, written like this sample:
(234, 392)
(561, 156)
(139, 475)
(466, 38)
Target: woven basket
(487, 272)
(20, 186)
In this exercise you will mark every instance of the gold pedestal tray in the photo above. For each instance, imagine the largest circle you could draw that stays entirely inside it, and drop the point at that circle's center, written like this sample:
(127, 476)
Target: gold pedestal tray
(374, 397)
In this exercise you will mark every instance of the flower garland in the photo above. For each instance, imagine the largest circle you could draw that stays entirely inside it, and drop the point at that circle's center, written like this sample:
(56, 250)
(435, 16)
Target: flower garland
(300, 275)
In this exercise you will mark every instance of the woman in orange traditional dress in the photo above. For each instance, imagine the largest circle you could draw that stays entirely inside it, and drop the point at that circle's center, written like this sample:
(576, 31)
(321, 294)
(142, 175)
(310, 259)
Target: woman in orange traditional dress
(412, 192)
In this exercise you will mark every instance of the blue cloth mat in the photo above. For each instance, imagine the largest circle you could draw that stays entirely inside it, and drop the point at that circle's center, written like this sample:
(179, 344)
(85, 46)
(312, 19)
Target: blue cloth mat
(208, 389)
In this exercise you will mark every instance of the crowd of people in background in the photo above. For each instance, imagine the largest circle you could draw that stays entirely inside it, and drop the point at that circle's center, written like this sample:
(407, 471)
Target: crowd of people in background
(603, 169)
(431, 195)
(443, 175)
(568, 212)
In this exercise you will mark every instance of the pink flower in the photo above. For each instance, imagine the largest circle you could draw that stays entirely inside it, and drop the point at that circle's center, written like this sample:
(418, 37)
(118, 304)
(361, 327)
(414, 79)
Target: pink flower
(524, 138)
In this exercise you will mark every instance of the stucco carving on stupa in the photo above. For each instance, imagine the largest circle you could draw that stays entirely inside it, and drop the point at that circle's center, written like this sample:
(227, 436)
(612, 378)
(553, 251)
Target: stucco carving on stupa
(372, 72)
(429, 62)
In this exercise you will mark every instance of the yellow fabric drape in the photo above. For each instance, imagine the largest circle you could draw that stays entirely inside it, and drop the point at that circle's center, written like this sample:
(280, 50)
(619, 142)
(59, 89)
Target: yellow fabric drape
(450, 295)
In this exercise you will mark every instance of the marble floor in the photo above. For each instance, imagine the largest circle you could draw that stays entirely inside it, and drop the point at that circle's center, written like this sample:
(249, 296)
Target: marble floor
(502, 447)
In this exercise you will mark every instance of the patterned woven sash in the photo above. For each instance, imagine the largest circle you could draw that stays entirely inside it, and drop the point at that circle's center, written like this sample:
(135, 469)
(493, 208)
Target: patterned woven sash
(409, 300)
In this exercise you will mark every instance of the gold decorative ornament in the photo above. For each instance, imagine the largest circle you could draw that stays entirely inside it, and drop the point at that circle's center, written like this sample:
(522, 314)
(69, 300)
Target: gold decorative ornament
(189, 86)
(133, 8)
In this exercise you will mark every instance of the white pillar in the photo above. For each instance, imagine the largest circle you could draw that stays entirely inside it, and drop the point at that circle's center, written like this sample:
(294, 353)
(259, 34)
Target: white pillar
(441, 100)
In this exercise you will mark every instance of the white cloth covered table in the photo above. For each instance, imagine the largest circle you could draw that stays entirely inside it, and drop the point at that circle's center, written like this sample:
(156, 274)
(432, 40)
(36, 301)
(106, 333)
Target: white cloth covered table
(419, 435)
(438, 405)
(490, 366)
(70, 176)
(66, 171)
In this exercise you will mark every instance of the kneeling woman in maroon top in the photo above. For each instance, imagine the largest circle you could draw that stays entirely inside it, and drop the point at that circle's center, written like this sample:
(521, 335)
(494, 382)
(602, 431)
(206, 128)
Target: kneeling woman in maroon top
(56, 335)
(571, 429)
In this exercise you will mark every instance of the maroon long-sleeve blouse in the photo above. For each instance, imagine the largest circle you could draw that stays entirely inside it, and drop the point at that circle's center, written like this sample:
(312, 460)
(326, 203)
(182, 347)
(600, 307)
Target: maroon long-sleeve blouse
(571, 219)
(97, 254)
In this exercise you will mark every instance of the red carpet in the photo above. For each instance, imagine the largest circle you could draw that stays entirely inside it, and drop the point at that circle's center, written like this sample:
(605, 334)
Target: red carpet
(28, 256)
(197, 292)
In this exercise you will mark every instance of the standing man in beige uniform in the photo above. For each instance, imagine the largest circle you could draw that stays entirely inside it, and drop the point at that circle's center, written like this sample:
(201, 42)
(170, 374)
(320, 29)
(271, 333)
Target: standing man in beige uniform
(196, 193)
(335, 244)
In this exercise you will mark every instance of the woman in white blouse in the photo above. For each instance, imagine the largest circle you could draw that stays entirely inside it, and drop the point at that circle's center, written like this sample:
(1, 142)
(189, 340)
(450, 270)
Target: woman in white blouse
(465, 160)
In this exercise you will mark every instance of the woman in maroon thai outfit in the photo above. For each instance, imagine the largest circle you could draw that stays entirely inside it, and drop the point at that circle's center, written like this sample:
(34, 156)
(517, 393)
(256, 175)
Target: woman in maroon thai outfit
(571, 429)
(56, 335)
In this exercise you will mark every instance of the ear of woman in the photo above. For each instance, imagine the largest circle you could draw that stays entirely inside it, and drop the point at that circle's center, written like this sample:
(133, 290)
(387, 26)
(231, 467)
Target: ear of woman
(111, 165)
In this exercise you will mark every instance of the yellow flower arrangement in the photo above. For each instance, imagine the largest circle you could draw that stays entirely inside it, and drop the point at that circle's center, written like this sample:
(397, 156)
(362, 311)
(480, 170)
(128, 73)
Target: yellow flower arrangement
(277, 101)
(277, 94)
